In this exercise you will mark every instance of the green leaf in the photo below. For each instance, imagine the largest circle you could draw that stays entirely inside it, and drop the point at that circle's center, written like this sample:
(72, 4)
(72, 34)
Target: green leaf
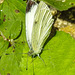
(12, 17)
(3, 45)
(61, 4)
(58, 55)
(15, 31)
(10, 60)
(12, 27)
(9, 65)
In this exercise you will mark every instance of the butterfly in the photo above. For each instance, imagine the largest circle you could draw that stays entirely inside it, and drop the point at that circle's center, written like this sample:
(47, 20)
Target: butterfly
(39, 21)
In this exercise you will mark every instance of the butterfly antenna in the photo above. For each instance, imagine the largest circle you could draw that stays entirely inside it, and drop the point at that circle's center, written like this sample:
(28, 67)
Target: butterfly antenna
(27, 63)
(33, 66)
(45, 49)
(41, 59)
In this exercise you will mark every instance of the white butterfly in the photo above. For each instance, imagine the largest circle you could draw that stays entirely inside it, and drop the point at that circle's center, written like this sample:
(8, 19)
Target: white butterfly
(38, 25)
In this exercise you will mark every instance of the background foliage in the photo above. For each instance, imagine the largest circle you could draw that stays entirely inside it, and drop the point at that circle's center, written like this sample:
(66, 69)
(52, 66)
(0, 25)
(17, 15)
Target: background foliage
(58, 53)
(61, 4)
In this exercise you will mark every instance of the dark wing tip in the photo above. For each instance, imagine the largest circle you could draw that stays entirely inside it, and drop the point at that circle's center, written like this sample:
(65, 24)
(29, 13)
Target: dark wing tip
(29, 5)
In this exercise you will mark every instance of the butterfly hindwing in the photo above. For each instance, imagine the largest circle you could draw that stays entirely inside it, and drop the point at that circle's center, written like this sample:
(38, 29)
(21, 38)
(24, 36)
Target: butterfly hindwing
(41, 27)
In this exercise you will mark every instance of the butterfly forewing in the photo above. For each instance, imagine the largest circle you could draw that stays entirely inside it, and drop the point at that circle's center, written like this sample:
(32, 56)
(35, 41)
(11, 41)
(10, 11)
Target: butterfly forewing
(30, 12)
(41, 27)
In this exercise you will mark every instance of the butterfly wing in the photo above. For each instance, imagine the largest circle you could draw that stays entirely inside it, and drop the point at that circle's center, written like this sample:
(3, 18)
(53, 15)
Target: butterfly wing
(30, 12)
(41, 27)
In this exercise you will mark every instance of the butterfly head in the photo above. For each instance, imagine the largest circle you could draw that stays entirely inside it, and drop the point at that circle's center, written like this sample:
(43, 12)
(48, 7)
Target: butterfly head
(34, 52)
